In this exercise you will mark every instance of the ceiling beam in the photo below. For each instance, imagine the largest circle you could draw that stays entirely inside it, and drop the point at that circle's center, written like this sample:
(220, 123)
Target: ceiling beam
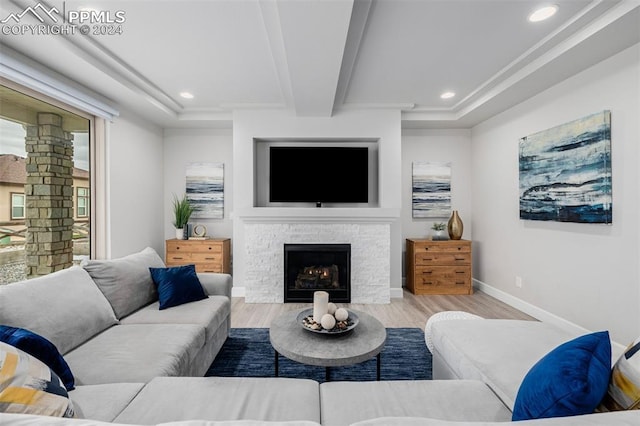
(314, 36)
(271, 20)
(357, 27)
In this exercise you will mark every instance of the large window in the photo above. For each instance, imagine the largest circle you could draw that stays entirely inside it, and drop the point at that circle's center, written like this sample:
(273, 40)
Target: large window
(17, 206)
(45, 179)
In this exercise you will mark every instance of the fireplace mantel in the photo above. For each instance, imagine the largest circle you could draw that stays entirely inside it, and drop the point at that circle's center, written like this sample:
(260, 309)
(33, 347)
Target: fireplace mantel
(318, 215)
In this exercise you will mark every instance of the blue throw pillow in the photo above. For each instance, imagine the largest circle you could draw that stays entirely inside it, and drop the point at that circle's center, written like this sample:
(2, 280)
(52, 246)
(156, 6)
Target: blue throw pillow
(177, 285)
(40, 348)
(570, 380)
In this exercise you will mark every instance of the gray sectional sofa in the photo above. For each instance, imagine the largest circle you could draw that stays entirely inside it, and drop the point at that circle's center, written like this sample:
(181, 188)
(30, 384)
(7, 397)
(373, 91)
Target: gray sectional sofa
(109, 328)
(136, 364)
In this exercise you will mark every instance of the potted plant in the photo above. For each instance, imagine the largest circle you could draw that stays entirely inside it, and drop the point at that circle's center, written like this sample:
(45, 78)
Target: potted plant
(182, 211)
(439, 229)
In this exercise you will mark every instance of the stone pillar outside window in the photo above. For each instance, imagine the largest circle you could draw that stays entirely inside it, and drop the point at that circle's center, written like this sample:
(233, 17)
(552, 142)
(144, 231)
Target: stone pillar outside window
(49, 196)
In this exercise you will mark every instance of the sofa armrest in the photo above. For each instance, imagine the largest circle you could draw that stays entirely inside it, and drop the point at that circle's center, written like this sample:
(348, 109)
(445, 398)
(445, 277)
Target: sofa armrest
(216, 284)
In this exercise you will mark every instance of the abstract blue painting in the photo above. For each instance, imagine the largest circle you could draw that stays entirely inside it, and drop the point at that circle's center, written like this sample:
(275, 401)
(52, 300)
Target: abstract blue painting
(205, 189)
(565, 172)
(431, 190)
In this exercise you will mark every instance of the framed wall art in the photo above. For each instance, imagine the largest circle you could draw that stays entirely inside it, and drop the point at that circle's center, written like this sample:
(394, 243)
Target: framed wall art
(431, 190)
(205, 189)
(565, 172)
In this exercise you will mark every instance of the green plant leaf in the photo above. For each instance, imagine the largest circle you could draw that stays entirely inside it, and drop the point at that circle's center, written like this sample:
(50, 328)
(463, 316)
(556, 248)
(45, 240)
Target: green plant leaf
(182, 211)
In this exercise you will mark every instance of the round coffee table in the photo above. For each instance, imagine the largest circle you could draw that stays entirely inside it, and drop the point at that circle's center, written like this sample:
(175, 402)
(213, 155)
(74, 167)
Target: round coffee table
(291, 340)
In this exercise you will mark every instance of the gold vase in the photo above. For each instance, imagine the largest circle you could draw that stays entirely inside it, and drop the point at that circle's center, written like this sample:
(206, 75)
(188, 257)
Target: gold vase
(455, 226)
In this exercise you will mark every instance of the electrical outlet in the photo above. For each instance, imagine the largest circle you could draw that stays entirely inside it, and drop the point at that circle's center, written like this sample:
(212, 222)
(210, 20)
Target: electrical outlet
(519, 282)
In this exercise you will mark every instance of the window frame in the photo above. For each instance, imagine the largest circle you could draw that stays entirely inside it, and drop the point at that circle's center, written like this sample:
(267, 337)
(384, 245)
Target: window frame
(86, 198)
(99, 244)
(12, 206)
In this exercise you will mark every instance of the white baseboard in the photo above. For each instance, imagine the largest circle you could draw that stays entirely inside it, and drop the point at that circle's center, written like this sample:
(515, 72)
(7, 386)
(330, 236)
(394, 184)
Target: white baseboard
(536, 312)
(396, 293)
(528, 308)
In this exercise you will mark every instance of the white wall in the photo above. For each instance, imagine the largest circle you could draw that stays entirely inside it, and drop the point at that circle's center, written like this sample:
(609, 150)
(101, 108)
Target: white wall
(182, 146)
(135, 181)
(437, 146)
(379, 125)
(583, 273)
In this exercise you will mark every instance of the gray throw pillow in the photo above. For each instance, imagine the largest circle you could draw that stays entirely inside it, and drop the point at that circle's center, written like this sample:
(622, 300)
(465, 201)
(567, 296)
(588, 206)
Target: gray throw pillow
(126, 282)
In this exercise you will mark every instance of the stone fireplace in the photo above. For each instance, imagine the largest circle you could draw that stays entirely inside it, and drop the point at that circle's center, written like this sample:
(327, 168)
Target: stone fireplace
(260, 263)
(312, 267)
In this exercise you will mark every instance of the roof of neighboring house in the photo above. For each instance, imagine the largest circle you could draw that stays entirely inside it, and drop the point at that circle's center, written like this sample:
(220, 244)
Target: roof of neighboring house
(13, 170)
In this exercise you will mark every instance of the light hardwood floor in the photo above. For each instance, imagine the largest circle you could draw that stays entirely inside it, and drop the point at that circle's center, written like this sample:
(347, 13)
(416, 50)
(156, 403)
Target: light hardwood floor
(410, 311)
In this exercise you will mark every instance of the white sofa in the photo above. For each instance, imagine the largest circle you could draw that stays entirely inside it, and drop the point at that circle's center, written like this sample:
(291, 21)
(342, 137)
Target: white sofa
(478, 367)
(135, 364)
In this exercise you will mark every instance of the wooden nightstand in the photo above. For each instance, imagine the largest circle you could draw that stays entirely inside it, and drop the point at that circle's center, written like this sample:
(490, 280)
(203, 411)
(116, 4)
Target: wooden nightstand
(439, 267)
(210, 255)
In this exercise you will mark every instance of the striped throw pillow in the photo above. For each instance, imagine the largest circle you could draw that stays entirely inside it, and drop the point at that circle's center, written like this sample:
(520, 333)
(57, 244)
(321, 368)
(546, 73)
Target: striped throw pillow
(624, 385)
(28, 386)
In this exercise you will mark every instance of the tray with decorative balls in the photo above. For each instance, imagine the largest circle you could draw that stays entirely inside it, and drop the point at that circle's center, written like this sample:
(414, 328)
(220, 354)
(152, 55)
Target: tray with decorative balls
(338, 322)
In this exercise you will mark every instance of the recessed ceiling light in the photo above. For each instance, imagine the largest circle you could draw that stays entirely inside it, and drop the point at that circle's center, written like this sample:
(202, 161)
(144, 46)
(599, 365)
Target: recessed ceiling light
(543, 13)
(186, 95)
(447, 95)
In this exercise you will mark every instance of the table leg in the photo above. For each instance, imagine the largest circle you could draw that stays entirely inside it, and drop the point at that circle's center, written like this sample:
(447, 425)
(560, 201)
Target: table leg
(378, 367)
(275, 362)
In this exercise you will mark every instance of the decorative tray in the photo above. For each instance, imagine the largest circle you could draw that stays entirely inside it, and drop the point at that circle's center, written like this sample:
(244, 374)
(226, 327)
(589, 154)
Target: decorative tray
(305, 319)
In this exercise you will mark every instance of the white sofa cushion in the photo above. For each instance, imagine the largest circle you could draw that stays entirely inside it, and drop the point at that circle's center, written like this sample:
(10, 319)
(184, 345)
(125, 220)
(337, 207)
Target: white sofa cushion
(224, 398)
(209, 313)
(343, 403)
(444, 316)
(136, 353)
(29, 420)
(65, 307)
(126, 282)
(103, 402)
(497, 352)
(610, 419)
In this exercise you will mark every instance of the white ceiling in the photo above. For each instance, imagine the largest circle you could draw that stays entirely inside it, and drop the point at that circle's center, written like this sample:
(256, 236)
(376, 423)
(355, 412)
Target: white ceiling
(320, 57)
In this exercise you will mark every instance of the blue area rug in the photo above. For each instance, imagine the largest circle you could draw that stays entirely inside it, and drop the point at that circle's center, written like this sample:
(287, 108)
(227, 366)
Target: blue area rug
(248, 353)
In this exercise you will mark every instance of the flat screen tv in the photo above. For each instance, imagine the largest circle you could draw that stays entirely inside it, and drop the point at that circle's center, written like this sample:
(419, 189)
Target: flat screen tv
(318, 174)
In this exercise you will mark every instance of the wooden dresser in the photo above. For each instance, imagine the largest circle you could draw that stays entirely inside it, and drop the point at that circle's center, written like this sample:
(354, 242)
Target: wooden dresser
(210, 255)
(439, 267)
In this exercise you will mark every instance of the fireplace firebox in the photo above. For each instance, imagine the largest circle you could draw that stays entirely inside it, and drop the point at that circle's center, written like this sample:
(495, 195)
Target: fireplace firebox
(312, 267)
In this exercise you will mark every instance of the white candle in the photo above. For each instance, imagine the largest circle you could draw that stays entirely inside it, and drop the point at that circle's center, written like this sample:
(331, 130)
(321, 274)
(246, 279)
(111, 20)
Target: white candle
(320, 305)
